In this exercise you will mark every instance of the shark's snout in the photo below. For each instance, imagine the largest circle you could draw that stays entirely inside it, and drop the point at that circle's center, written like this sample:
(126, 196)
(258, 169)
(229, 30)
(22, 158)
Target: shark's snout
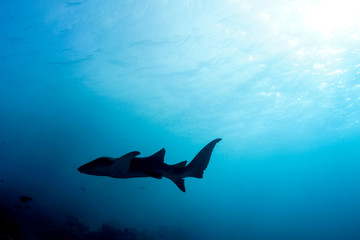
(81, 169)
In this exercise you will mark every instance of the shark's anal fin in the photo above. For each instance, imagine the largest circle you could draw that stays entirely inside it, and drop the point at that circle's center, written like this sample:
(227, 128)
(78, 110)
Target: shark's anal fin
(180, 183)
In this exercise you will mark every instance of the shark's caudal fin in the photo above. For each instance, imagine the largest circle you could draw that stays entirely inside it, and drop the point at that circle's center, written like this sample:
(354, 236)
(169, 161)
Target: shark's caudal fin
(200, 162)
(195, 168)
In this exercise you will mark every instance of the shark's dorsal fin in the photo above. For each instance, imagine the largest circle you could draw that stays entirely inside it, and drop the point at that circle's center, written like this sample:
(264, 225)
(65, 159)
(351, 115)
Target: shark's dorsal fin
(130, 154)
(122, 164)
(155, 160)
(158, 157)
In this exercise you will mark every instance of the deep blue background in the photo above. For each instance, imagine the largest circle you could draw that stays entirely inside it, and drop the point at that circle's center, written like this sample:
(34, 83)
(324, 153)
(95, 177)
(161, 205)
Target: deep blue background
(278, 82)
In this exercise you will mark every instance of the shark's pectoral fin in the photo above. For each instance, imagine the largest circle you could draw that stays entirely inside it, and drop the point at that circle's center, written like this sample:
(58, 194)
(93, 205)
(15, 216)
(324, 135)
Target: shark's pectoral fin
(180, 183)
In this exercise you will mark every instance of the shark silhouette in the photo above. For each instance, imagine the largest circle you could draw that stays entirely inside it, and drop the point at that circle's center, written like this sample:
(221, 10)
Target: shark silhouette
(131, 166)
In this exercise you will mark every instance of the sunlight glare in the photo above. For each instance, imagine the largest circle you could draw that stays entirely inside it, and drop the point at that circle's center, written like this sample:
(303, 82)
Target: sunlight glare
(334, 15)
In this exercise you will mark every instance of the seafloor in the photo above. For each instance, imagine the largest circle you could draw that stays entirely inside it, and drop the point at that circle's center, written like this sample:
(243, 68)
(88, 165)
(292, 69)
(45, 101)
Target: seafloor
(21, 218)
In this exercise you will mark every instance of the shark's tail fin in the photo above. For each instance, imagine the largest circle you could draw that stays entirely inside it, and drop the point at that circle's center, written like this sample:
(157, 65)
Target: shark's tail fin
(195, 168)
(200, 162)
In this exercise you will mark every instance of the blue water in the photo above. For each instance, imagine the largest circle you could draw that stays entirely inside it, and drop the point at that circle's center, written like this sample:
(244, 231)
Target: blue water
(278, 81)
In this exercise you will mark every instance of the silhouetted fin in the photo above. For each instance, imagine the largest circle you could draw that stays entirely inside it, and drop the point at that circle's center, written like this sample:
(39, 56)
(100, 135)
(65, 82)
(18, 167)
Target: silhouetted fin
(122, 164)
(180, 183)
(200, 162)
(178, 168)
(157, 157)
(130, 155)
(180, 164)
(154, 174)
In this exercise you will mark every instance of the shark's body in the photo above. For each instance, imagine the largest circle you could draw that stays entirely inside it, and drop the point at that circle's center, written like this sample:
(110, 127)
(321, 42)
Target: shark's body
(130, 166)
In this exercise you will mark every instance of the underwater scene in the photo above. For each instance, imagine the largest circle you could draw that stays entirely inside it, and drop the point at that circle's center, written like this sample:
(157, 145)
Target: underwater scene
(180, 120)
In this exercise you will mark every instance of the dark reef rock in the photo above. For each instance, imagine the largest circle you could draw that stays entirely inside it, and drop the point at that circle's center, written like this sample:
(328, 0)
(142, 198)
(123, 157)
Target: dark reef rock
(39, 225)
(9, 228)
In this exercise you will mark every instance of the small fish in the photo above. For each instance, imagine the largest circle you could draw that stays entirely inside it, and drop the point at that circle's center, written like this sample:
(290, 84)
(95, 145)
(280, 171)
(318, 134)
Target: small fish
(25, 199)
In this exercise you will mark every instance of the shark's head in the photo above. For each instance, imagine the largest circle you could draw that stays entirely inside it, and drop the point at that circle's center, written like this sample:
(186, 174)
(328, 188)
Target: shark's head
(111, 167)
(97, 167)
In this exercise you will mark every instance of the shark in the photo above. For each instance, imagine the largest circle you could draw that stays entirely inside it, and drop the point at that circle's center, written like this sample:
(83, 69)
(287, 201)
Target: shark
(132, 166)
